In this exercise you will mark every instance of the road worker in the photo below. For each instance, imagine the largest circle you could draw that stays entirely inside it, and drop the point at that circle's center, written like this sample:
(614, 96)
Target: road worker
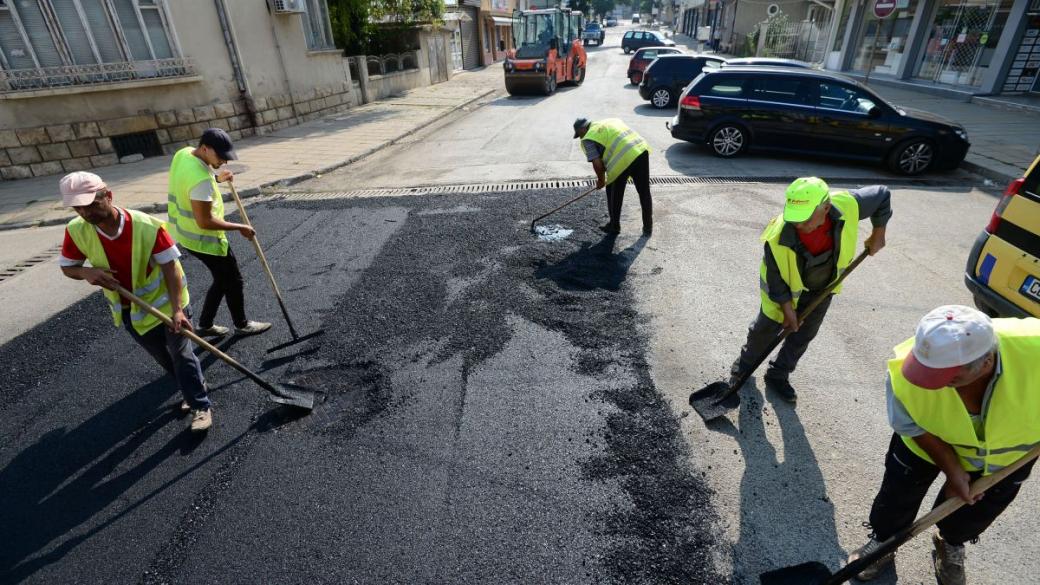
(196, 220)
(617, 153)
(133, 250)
(964, 399)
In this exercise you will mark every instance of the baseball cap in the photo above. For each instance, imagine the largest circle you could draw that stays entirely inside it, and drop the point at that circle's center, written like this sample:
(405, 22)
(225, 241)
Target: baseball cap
(947, 338)
(220, 142)
(579, 124)
(80, 188)
(804, 195)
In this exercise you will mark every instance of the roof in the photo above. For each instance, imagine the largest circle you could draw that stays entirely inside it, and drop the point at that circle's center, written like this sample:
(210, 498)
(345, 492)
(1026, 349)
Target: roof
(772, 61)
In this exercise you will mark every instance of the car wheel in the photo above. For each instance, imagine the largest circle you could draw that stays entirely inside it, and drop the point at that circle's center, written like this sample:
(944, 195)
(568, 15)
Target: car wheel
(912, 157)
(635, 78)
(728, 140)
(627, 49)
(579, 74)
(550, 85)
(661, 98)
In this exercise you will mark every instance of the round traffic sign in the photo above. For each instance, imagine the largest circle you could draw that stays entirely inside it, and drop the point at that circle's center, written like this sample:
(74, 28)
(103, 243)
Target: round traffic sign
(884, 8)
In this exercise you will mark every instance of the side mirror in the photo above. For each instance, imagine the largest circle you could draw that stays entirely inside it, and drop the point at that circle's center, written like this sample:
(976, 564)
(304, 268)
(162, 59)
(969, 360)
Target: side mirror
(875, 112)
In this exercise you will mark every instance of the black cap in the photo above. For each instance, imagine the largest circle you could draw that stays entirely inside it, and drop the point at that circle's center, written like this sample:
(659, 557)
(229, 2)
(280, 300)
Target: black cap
(220, 142)
(579, 124)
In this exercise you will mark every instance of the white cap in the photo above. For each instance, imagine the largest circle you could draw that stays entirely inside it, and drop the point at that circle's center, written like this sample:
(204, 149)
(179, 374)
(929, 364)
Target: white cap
(947, 338)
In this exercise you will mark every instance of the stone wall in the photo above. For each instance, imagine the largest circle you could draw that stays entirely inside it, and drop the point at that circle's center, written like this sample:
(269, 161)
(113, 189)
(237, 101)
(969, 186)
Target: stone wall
(62, 148)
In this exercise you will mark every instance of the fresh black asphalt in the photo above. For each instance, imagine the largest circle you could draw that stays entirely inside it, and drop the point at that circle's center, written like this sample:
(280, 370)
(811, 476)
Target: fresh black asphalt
(489, 417)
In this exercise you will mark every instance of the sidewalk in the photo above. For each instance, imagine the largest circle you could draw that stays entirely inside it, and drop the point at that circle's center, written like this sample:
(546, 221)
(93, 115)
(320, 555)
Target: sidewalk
(1004, 141)
(282, 157)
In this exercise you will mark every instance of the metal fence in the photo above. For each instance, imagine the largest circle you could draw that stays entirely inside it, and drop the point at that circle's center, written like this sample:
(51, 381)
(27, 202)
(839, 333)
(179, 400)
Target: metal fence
(805, 41)
(17, 80)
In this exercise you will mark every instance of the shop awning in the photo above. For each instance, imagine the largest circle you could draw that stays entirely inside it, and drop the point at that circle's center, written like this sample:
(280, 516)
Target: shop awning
(502, 20)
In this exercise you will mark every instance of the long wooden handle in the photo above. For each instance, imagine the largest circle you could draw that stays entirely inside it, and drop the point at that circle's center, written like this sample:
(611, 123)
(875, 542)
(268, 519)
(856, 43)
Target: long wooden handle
(543, 216)
(949, 506)
(263, 260)
(192, 336)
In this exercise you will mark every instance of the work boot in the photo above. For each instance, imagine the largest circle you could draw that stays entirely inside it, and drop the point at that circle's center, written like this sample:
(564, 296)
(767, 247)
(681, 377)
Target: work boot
(782, 387)
(201, 420)
(949, 562)
(252, 328)
(185, 407)
(212, 331)
(873, 570)
(610, 229)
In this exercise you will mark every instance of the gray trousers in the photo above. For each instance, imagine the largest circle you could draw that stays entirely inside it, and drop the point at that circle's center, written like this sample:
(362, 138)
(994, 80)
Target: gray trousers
(764, 330)
(175, 354)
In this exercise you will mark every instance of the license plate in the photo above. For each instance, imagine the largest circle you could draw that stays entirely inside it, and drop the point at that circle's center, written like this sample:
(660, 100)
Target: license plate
(1031, 288)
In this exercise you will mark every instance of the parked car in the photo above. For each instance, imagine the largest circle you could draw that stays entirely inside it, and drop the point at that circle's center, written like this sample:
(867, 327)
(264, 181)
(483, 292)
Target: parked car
(637, 39)
(666, 78)
(814, 112)
(593, 33)
(643, 57)
(1003, 271)
(611, 21)
(768, 61)
(635, 19)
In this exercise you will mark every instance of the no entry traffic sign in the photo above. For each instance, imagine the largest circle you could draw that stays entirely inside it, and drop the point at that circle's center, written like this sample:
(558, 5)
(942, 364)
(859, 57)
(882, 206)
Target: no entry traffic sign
(884, 8)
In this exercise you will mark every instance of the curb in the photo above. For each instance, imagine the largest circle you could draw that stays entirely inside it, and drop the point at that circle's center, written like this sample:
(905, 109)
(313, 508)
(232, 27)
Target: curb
(983, 171)
(284, 182)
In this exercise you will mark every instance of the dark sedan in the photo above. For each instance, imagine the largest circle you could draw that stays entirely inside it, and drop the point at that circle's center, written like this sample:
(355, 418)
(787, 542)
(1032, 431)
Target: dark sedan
(812, 112)
(637, 39)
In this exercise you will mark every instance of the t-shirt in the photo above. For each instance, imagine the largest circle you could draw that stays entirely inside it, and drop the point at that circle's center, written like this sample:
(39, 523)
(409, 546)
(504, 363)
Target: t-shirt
(204, 190)
(593, 149)
(119, 250)
(819, 240)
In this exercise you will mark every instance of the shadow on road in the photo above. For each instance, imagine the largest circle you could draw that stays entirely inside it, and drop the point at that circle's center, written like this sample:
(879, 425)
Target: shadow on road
(786, 517)
(593, 266)
(648, 110)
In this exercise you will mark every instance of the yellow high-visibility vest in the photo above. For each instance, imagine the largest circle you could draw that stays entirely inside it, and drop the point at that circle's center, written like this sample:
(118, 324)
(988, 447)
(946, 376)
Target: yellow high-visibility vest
(187, 171)
(146, 276)
(621, 145)
(1012, 417)
(787, 259)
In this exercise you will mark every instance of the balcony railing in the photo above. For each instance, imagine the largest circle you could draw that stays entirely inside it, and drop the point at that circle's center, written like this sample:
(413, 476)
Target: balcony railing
(19, 80)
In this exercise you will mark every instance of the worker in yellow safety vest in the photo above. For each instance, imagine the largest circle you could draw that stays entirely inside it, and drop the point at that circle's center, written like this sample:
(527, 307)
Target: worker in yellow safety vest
(132, 249)
(617, 152)
(964, 399)
(196, 219)
(806, 248)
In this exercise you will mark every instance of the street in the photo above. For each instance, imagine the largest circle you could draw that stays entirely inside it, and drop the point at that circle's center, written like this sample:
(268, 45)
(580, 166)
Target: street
(498, 408)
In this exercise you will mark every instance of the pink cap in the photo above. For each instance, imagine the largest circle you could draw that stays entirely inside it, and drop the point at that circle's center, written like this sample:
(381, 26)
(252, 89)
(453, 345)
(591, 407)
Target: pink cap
(79, 188)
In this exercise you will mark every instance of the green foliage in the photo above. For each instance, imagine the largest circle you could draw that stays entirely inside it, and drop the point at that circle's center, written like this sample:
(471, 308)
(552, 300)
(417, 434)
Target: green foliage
(582, 6)
(350, 24)
(375, 27)
(406, 11)
(602, 7)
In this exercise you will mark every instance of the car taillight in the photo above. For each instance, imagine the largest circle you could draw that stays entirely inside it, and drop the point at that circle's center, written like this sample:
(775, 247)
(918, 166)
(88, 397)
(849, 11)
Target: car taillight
(1012, 189)
(691, 102)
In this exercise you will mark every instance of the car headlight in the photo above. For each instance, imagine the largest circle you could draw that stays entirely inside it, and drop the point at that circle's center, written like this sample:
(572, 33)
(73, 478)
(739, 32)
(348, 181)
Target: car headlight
(961, 133)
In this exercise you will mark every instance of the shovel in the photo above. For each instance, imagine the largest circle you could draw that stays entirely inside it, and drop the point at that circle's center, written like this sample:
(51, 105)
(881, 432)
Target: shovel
(541, 217)
(816, 573)
(718, 398)
(297, 396)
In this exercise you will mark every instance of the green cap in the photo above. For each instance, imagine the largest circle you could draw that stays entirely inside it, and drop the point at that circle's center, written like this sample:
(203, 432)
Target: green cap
(804, 195)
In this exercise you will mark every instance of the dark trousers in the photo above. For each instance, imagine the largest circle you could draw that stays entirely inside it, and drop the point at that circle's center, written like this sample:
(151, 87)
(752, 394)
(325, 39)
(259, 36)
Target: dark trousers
(227, 284)
(764, 330)
(175, 353)
(906, 483)
(639, 170)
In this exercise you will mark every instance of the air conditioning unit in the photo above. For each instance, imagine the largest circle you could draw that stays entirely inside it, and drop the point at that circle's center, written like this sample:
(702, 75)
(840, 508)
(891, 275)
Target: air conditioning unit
(288, 6)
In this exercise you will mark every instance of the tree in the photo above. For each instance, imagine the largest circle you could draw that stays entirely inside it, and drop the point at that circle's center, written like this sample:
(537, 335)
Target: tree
(602, 7)
(581, 6)
(380, 26)
(350, 24)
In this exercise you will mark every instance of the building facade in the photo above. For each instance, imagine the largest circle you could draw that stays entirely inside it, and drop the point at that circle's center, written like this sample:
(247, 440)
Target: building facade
(463, 18)
(83, 82)
(496, 29)
(966, 47)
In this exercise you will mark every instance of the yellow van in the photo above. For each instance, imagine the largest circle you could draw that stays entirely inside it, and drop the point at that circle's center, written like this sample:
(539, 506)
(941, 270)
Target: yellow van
(1003, 272)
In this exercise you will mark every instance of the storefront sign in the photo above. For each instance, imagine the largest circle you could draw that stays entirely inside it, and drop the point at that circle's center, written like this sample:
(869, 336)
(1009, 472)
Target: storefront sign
(884, 8)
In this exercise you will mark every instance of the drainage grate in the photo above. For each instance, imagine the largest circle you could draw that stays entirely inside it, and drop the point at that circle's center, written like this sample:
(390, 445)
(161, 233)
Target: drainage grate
(478, 188)
(143, 143)
(9, 272)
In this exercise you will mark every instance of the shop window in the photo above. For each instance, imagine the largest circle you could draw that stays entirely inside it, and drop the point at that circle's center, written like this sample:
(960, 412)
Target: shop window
(883, 42)
(962, 41)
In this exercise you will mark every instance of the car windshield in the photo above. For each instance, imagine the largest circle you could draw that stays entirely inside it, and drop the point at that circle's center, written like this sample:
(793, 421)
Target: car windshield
(532, 34)
(592, 26)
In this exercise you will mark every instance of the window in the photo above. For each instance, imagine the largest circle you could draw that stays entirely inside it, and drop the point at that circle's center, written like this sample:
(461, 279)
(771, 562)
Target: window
(80, 35)
(638, 35)
(317, 27)
(784, 90)
(835, 96)
(729, 87)
(649, 55)
(629, 35)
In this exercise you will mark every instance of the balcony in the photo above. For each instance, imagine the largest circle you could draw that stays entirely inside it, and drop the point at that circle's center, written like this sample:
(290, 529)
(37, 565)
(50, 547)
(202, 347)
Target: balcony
(17, 83)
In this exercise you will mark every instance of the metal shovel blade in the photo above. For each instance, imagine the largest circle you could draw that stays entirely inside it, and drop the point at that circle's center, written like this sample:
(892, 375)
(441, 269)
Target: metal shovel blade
(813, 573)
(707, 403)
(293, 395)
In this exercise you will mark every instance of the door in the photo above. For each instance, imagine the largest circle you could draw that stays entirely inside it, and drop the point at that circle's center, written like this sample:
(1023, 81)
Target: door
(470, 39)
(782, 112)
(845, 125)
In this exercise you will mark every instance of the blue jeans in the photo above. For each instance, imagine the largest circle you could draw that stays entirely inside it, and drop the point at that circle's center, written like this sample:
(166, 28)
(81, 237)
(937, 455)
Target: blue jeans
(175, 353)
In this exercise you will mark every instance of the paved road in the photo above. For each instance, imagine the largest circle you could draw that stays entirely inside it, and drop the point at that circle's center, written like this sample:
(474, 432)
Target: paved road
(500, 409)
